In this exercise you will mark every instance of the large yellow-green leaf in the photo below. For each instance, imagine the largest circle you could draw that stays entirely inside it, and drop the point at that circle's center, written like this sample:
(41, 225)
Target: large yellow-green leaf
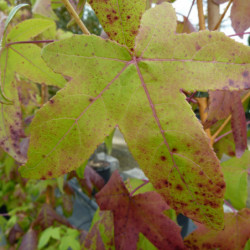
(142, 96)
(120, 18)
(235, 174)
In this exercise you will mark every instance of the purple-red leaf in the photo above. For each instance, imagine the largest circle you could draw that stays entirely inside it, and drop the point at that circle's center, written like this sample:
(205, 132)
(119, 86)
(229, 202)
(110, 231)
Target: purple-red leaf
(48, 216)
(233, 236)
(91, 179)
(140, 213)
(239, 125)
(29, 241)
(222, 104)
(240, 16)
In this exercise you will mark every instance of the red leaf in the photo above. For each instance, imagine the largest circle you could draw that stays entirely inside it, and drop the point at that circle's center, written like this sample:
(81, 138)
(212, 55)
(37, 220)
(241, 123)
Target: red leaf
(91, 180)
(29, 241)
(140, 213)
(220, 103)
(48, 216)
(15, 233)
(234, 236)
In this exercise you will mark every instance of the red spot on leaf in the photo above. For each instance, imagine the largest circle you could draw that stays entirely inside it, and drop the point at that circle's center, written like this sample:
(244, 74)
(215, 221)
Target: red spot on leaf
(245, 74)
(201, 173)
(179, 187)
(174, 150)
(163, 158)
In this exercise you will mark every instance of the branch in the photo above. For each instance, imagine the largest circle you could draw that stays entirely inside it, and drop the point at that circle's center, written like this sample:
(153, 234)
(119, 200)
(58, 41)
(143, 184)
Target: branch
(73, 13)
(240, 34)
(201, 15)
(222, 16)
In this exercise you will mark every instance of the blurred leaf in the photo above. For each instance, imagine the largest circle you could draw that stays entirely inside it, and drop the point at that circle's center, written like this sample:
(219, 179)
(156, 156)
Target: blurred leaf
(48, 216)
(43, 7)
(91, 179)
(235, 174)
(15, 233)
(29, 241)
(108, 142)
(101, 233)
(60, 183)
(47, 234)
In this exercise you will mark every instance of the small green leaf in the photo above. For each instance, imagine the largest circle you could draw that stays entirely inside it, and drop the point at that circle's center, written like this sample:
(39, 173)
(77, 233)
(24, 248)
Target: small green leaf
(235, 174)
(144, 243)
(48, 233)
(60, 182)
(108, 142)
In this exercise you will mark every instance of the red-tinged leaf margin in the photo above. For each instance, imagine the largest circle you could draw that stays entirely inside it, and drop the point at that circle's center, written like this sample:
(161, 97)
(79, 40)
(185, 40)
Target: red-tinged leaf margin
(140, 213)
(239, 125)
(234, 236)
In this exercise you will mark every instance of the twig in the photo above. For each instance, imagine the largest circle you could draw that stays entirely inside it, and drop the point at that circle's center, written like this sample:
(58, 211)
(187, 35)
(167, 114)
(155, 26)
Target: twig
(227, 120)
(239, 34)
(4, 214)
(44, 93)
(190, 9)
(202, 103)
(222, 16)
(227, 133)
(73, 13)
(143, 184)
(220, 137)
(201, 15)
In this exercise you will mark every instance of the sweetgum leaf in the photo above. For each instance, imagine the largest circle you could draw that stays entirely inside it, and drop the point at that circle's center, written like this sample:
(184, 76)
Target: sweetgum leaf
(142, 96)
(235, 174)
(120, 18)
(139, 213)
(234, 236)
